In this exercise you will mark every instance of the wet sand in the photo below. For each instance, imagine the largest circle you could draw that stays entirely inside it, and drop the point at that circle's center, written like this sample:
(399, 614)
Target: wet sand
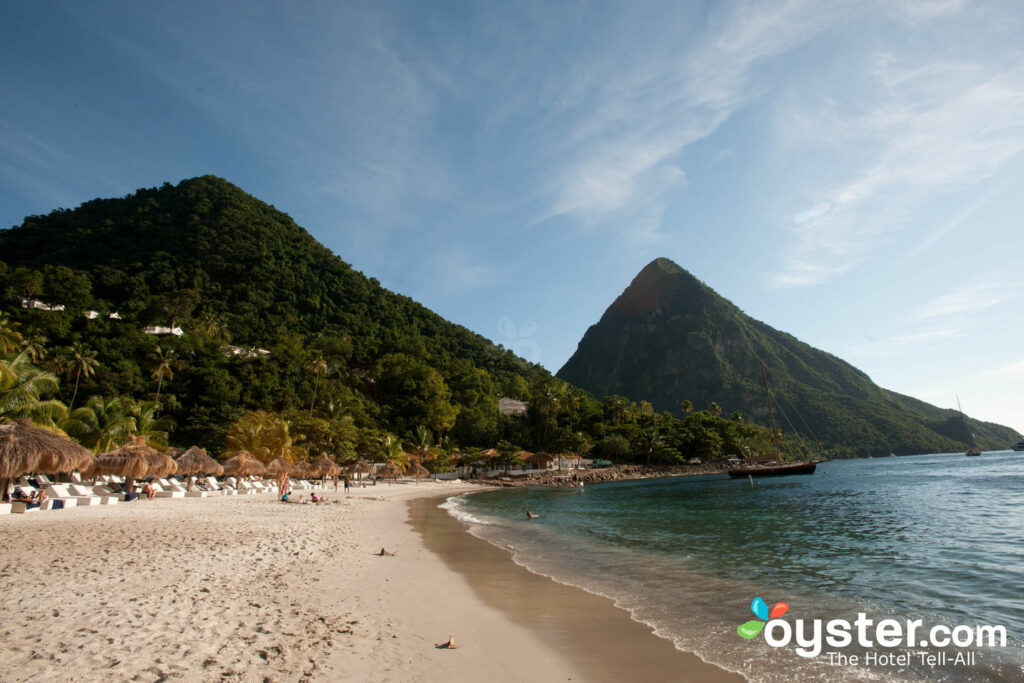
(601, 641)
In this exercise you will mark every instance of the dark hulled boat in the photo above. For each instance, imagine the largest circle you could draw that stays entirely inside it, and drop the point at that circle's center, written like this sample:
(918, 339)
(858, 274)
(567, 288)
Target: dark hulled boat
(773, 470)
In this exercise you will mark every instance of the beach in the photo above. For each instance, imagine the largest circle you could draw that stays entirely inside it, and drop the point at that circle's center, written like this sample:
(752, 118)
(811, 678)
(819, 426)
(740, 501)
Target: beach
(247, 588)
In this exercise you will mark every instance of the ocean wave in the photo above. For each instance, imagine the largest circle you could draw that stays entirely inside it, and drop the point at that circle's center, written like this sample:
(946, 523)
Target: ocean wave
(455, 506)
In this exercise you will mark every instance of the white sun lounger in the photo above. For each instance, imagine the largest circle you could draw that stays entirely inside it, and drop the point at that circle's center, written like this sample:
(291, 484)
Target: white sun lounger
(99, 494)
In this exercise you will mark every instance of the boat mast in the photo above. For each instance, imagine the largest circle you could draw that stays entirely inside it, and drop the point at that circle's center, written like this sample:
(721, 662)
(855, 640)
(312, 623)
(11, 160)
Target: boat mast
(963, 421)
(771, 412)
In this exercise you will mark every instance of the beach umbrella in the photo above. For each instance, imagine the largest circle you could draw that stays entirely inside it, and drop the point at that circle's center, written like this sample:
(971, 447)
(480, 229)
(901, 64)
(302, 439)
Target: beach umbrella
(278, 467)
(417, 470)
(25, 449)
(195, 461)
(359, 468)
(303, 469)
(243, 464)
(325, 467)
(133, 460)
(390, 471)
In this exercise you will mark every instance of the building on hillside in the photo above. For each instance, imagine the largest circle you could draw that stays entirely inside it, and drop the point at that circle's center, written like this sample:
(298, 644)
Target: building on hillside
(157, 329)
(510, 406)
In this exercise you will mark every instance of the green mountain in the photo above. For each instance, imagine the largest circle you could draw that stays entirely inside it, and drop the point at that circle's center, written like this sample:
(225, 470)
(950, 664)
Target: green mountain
(238, 275)
(669, 337)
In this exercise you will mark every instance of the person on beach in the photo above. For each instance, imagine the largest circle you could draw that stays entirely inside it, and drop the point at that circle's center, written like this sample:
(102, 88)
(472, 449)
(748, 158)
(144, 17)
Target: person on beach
(313, 498)
(335, 484)
(149, 490)
(348, 485)
(285, 496)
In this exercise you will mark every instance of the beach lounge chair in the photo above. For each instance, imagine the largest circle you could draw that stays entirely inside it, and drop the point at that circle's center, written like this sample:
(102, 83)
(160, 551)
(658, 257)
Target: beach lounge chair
(90, 496)
(165, 489)
(61, 492)
(214, 486)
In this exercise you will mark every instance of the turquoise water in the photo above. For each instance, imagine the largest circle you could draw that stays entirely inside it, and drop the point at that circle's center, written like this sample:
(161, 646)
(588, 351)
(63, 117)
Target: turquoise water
(936, 537)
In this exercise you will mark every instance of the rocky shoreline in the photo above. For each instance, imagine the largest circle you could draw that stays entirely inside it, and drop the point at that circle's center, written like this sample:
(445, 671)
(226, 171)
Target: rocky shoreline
(612, 473)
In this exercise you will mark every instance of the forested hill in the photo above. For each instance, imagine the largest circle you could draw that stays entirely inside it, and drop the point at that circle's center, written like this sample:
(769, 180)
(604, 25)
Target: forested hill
(236, 275)
(670, 338)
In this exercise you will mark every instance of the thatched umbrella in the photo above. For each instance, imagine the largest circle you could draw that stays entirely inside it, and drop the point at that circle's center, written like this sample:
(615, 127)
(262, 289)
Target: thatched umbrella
(417, 470)
(25, 448)
(133, 460)
(279, 467)
(243, 465)
(390, 471)
(195, 461)
(325, 467)
(303, 469)
(359, 468)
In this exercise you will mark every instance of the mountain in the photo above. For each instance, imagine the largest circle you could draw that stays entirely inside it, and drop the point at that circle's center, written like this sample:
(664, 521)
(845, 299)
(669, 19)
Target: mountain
(236, 275)
(669, 337)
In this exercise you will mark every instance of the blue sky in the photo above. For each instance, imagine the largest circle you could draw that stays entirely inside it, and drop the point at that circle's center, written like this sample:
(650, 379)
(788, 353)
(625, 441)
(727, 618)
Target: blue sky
(848, 172)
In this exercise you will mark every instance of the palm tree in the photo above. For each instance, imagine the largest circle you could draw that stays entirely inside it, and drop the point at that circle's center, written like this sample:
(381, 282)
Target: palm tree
(213, 328)
(22, 388)
(35, 346)
(10, 339)
(263, 434)
(422, 441)
(319, 366)
(147, 424)
(101, 424)
(80, 361)
(164, 367)
(394, 452)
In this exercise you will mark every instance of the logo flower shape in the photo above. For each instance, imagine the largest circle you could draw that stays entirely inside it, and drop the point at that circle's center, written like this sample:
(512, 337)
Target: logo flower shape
(752, 628)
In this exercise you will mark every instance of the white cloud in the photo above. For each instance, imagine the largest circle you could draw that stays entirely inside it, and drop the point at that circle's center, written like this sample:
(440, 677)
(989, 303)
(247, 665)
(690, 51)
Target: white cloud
(1013, 370)
(900, 344)
(974, 297)
(635, 119)
(938, 126)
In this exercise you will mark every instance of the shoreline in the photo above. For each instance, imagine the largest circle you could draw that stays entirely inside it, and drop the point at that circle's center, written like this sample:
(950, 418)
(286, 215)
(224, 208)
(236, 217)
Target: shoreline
(599, 639)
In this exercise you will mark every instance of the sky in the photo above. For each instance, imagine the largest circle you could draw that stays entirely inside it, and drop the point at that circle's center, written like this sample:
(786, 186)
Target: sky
(848, 172)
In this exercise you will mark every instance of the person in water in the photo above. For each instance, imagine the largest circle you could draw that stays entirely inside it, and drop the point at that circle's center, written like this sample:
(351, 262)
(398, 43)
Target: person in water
(530, 515)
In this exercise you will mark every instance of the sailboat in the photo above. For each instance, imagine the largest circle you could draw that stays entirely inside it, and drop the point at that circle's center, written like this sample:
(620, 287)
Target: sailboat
(779, 470)
(972, 448)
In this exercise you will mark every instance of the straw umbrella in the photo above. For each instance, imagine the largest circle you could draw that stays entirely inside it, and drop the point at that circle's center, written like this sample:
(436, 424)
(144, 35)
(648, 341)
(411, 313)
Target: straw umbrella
(195, 461)
(417, 470)
(281, 470)
(325, 467)
(390, 471)
(132, 460)
(243, 465)
(279, 467)
(25, 448)
(359, 468)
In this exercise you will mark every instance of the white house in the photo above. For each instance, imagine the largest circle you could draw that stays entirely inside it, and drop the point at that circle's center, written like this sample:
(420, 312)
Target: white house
(157, 329)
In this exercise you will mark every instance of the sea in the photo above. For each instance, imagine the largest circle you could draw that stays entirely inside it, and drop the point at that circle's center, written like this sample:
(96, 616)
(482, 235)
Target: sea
(936, 538)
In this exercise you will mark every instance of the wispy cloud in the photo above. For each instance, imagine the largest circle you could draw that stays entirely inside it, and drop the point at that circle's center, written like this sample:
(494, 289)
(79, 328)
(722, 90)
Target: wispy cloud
(1007, 371)
(899, 344)
(937, 126)
(973, 297)
(623, 150)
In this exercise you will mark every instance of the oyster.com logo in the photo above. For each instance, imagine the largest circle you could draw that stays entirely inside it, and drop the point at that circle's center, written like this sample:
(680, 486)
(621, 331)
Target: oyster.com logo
(759, 607)
(813, 637)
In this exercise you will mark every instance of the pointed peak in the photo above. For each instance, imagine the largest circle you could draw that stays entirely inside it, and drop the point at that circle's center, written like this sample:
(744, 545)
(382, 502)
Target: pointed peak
(661, 283)
(664, 265)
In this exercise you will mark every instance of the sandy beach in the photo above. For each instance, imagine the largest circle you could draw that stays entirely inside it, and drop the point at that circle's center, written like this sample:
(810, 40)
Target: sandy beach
(251, 589)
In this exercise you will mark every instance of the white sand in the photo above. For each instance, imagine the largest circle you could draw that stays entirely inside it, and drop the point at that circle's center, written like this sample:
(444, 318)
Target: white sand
(248, 589)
